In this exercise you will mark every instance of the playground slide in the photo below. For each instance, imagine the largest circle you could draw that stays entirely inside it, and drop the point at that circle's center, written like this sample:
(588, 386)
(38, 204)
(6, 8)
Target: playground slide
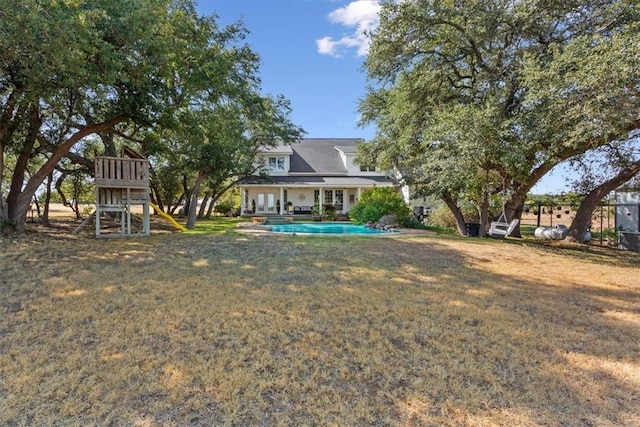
(167, 217)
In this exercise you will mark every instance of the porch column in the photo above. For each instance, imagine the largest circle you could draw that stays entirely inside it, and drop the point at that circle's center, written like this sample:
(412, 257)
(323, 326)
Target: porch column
(320, 200)
(242, 197)
(358, 194)
(282, 205)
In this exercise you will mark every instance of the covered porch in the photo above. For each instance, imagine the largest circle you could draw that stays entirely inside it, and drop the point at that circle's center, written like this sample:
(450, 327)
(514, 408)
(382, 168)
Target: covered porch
(280, 200)
(304, 195)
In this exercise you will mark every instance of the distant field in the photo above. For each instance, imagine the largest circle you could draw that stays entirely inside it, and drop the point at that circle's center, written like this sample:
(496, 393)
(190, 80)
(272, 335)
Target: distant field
(242, 330)
(565, 215)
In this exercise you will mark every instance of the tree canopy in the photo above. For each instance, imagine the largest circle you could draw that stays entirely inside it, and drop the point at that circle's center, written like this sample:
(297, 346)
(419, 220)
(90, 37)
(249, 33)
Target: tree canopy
(148, 71)
(481, 98)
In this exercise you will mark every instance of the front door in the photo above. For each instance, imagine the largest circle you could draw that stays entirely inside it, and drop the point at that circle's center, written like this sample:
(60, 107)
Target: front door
(266, 203)
(335, 198)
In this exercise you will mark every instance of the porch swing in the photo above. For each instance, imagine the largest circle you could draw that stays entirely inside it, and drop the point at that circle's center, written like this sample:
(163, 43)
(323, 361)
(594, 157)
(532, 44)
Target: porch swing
(503, 227)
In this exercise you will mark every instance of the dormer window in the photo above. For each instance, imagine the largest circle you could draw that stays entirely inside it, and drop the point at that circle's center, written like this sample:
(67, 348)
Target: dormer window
(276, 164)
(367, 168)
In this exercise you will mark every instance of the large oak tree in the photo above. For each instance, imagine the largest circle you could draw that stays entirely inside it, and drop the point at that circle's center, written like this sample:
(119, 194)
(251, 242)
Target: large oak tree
(70, 69)
(479, 99)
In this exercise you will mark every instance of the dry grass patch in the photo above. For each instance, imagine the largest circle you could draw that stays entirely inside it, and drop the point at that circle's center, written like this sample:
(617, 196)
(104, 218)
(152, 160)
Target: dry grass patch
(246, 330)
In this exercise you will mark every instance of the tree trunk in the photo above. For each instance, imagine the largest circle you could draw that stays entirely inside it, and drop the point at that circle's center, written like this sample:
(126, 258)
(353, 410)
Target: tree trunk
(109, 144)
(215, 196)
(453, 207)
(187, 196)
(193, 202)
(20, 194)
(514, 206)
(582, 222)
(212, 204)
(484, 216)
(172, 209)
(63, 197)
(3, 210)
(8, 126)
(155, 195)
(35, 202)
(47, 202)
(17, 208)
(205, 200)
(18, 200)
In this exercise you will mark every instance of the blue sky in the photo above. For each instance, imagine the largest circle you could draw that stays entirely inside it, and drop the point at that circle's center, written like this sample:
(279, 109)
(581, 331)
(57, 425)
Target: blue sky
(312, 53)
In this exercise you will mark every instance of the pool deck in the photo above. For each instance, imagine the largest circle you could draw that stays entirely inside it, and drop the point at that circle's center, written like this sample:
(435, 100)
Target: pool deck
(265, 230)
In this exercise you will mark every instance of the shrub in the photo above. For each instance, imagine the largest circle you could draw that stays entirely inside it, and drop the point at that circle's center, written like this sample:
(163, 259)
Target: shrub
(413, 222)
(86, 211)
(379, 201)
(223, 207)
(329, 212)
(441, 216)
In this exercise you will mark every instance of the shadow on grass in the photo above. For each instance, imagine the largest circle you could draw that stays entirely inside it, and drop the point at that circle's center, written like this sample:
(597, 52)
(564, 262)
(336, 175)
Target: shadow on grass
(267, 330)
(587, 252)
(215, 225)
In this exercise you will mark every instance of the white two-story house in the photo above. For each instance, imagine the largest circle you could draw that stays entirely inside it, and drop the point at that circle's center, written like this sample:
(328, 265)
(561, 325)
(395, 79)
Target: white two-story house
(313, 172)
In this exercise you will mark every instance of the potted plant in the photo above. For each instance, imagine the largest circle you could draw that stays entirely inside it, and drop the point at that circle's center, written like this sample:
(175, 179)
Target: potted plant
(253, 206)
(290, 207)
(316, 213)
(329, 212)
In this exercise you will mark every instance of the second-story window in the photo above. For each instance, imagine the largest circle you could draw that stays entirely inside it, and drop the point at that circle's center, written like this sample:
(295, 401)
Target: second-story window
(367, 168)
(276, 164)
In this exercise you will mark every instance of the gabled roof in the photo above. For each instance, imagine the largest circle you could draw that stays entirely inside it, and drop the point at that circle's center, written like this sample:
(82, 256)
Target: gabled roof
(321, 155)
(347, 149)
(316, 180)
(281, 148)
(318, 162)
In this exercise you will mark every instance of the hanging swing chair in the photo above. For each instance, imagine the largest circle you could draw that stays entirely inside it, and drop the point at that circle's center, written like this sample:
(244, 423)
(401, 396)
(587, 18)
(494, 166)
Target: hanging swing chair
(503, 227)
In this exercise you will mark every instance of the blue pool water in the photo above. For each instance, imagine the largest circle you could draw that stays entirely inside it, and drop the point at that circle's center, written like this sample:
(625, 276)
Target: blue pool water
(323, 228)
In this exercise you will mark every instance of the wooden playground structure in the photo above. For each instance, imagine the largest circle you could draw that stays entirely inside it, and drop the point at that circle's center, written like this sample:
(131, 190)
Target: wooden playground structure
(121, 183)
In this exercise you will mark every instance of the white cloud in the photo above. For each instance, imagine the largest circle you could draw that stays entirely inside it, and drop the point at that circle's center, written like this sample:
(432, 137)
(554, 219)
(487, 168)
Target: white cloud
(356, 12)
(359, 16)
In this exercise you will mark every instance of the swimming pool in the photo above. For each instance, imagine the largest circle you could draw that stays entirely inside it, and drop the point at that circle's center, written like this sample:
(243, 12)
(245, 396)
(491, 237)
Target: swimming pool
(324, 228)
